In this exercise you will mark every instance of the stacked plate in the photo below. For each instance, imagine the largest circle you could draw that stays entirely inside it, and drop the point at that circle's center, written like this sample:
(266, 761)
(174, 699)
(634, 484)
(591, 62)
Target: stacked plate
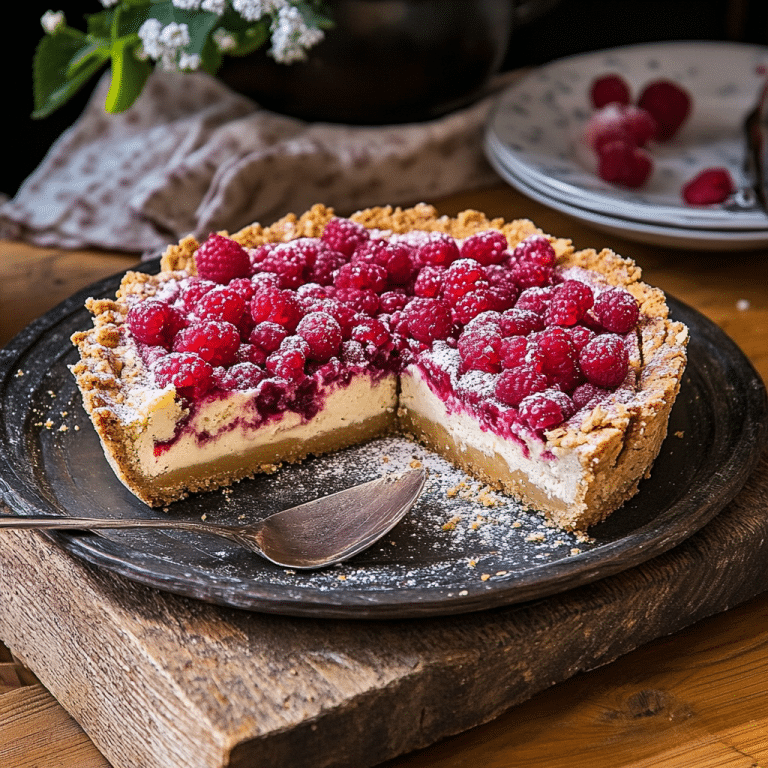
(534, 139)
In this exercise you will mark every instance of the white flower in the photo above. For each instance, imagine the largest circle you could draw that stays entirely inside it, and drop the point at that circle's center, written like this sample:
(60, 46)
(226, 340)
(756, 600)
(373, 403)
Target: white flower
(291, 36)
(214, 6)
(149, 32)
(189, 61)
(253, 10)
(52, 21)
(175, 35)
(187, 5)
(224, 41)
(109, 3)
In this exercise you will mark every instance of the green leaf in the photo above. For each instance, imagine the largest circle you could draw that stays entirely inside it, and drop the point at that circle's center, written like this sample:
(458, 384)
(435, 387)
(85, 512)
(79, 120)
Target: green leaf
(51, 65)
(129, 74)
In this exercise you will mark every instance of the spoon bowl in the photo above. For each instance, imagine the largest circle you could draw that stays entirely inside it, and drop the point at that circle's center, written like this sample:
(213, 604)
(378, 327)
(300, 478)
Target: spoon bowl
(313, 535)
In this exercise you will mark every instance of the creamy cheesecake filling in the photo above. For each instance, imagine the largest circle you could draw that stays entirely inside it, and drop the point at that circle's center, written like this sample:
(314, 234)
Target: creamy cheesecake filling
(231, 425)
(557, 474)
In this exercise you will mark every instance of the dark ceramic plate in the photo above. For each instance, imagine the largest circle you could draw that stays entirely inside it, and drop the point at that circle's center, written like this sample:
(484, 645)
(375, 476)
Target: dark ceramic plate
(457, 551)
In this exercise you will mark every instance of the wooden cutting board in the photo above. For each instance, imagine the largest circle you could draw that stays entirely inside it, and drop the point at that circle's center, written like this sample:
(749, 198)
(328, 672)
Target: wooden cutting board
(158, 680)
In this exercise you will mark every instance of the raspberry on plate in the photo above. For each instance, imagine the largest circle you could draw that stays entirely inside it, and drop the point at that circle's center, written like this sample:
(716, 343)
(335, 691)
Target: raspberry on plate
(609, 89)
(668, 103)
(708, 187)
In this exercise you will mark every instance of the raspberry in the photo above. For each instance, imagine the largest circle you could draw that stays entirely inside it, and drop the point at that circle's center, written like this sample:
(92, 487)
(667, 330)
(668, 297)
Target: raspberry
(396, 258)
(440, 250)
(588, 395)
(617, 310)
(428, 319)
(710, 186)
(486, 248)
(559, 358)
(545, 410)
(187, 372)
(620, 123)
(429, 282)
(325, 266)
(609, 89)
(537, 249)
(323, 334)
(241, 376)
(193, 291)
(363, 301)
(215, 341)
(605, 361)
(519, 321)
(343, 314)
(249, 353)
(267, 336)
(534, 299)
(370, 332)
(463, 276)
(344, 235)
(154, 322)
(533, 262)
(480, 351)
(623, 163)
(352, 353)
(473, 303)
(277, 306)
(570, 301)
(243, 286)
(289, 261)
(502, 284)
(222, 303)
(391, 301)
(287, 363)
(514, 351)
(515, 384)
(580, 335)
(487, 322)
(668, 103)
(221, 259)
(361, 276)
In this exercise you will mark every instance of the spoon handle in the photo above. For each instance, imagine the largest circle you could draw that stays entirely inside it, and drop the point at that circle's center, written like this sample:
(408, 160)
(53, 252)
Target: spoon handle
(92, 523)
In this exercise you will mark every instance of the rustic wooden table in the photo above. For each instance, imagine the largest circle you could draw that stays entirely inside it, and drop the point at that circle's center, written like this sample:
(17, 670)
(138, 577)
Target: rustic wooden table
(696, 698)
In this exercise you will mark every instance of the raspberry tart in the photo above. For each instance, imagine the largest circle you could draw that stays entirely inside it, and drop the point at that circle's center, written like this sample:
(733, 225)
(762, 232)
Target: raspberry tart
(546, 372)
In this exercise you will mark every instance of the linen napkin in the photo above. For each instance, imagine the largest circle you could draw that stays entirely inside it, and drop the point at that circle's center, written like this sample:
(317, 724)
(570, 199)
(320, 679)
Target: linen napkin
(192, 156)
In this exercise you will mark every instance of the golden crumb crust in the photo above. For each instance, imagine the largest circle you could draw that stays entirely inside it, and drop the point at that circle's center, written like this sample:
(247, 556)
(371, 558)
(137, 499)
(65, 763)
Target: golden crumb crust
(616, 444)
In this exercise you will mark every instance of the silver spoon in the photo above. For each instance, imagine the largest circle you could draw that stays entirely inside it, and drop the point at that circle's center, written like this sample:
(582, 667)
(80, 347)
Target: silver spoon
(312, 535)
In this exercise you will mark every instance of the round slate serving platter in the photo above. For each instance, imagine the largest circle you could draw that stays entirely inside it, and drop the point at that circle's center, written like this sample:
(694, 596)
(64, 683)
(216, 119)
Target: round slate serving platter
(462, 548)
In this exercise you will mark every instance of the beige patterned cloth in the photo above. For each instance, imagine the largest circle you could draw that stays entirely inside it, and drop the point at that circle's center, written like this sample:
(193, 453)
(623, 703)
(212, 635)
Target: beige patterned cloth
(191, 156)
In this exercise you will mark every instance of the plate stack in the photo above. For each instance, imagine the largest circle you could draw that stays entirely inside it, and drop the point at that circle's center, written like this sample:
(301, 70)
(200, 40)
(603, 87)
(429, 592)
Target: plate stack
(534, 139)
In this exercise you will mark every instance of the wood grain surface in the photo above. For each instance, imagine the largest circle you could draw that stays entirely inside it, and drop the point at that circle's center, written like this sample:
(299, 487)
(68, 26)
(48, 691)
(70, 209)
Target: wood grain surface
(340, 693)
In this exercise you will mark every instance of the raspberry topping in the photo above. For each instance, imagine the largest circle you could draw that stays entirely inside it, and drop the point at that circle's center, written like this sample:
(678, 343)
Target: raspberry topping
(515, 384)
(547, 409)
(486, 248)
(323, 334)
(189, 373)
(610, 88)
(154, 323)
(480, 351)
(617, 310)
(221, 259)
(428, 319)
(344, 235)
(216, 341)
(439, 251)
(307, 310)
(605, 361)
(277, 305)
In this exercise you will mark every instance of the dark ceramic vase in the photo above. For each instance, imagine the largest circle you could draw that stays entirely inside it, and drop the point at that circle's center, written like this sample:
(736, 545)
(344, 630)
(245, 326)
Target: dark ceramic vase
(385, 61)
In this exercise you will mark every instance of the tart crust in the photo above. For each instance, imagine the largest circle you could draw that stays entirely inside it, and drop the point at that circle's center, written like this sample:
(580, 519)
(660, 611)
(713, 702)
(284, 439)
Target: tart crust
(616, 443)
